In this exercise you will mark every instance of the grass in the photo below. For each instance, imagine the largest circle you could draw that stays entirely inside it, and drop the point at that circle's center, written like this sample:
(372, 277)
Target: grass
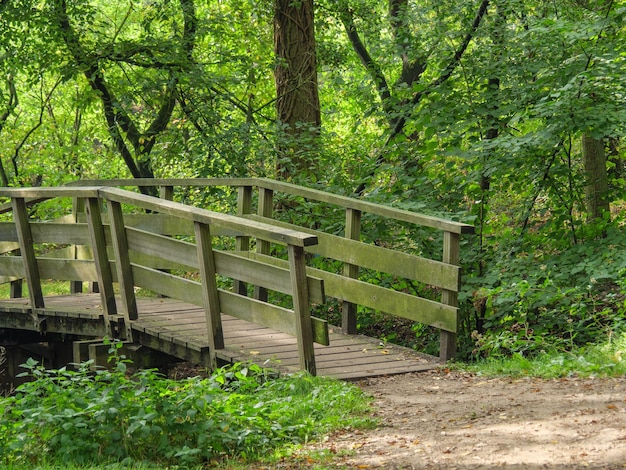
(49, 288)
(607, 359)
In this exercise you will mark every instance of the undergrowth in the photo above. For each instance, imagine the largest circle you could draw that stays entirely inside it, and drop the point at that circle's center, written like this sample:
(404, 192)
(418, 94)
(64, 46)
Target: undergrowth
(606, 359)
(77, 417)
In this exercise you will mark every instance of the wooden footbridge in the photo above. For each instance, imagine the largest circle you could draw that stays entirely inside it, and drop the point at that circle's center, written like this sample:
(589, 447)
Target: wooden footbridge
(159, 283)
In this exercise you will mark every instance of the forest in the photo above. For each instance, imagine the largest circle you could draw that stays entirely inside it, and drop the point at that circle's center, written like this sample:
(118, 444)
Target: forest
(506, 115)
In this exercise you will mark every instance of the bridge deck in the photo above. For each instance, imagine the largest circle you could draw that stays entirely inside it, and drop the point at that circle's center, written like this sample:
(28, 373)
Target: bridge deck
(171, 325)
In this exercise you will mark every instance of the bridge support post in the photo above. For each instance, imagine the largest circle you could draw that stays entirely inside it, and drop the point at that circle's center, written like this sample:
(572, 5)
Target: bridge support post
(123, 267)
(348, 309)
(242, 243)
(304, 329)
(25, 237)
(265, 209)
(451, 255)
(105, 278)
(209, 290)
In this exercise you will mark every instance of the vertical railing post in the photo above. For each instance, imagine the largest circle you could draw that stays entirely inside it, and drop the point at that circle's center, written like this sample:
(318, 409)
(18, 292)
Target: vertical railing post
(263, 247)
(27, 249)
(122, 266)
(304, 329)
(78, 206)
(16, 290)
(99, 248)
(451, 255)
(167, 193)
(210, 293)
(242, 243)
(348, 309)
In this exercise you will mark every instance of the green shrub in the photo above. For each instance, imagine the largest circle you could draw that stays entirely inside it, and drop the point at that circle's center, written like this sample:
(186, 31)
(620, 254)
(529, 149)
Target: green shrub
(78, 417)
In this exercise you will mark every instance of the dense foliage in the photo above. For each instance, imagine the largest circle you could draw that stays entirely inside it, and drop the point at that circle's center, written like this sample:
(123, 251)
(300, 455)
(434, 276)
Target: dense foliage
(68, 417)
(505, 114)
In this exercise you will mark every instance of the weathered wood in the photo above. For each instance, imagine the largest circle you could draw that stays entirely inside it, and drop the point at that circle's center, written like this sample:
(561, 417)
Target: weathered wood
(156, 251)
(265, 209)
(302, 313)
(435, 273)
(242, 243)
(183, 182)
(78, 208)
(451, 255)
(232, 304)
(308, 193)
(122, 267)
(364, 206)
(349, 309)
(43, 193)
(98, 243)
(210, 294)
(166, 192)
(382, 299)
(231, 222)
(25, 237)
(16, 289)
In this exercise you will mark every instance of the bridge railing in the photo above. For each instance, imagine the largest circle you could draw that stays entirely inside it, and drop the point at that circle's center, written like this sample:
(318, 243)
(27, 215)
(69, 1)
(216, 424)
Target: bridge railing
(444, 274)
(120, 256)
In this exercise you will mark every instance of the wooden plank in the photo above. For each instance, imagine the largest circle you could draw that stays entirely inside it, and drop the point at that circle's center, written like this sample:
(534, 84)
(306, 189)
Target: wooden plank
(25, 237)
(98, 243)
(8, 235)
(435, 273)
(349, 309)
(232, 304)
(166, 224)
(270, 315)
(123, 267)
(451, 254)
(308, 193)
(183, 255)
(302, 313)
(184, 182)
(365, 206)
(63, 269)
(167, 192)
(385, 300)
(43, 192)
(370, 372)
(242, 243)
(210, 294)
(265, 209)
(231, 222)
(12, 267)
(64, 234)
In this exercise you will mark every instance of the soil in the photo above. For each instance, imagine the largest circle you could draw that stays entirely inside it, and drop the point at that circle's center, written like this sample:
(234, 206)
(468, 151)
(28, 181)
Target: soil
(452, 420)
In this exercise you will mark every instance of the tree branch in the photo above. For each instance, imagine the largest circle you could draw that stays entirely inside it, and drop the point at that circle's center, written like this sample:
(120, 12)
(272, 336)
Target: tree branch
(373, 69)
(445, 75)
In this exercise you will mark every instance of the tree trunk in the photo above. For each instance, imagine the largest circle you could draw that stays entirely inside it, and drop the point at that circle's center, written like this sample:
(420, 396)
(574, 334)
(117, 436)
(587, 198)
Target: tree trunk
(295, 75)
(596, 184)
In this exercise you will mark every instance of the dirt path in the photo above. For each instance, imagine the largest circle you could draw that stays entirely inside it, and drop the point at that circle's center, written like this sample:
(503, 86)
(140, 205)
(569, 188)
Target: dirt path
(453, 420)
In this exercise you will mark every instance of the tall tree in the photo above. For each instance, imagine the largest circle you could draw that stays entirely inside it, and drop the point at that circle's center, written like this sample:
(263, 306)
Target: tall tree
(295, 73)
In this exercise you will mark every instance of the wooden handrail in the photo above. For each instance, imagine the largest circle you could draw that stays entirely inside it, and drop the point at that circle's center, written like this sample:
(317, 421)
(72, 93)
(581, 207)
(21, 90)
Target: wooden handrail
(289, 188)
(256, 229)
